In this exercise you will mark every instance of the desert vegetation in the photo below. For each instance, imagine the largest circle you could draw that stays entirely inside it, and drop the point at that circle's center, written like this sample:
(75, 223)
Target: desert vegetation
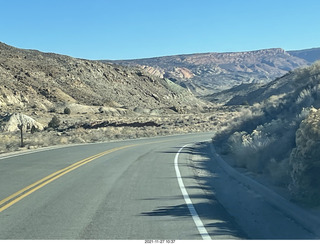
(278, 136)
(61, 128)
(305, 160)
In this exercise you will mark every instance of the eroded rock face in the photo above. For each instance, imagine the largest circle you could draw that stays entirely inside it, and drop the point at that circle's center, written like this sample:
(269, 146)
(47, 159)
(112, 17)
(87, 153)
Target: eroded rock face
(14, 121)
(305, 160)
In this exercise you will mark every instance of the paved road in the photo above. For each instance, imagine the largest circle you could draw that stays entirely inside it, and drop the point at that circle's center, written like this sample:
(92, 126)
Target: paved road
(117, 190)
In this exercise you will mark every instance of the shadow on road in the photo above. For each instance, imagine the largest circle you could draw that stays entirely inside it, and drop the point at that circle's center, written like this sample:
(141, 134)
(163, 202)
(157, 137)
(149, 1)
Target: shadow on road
(219, 224)
(208, 182)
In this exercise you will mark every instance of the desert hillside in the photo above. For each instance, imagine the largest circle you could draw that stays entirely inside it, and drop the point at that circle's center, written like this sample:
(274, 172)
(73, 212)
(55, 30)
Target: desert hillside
(60, 99)
(208, 73)
(41, 81)
(278, 134)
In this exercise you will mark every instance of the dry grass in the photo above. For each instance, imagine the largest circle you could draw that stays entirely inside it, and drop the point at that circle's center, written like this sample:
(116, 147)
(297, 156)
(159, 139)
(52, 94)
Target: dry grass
(170, 124)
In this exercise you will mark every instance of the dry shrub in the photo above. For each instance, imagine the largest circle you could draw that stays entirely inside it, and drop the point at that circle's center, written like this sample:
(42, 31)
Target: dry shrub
(266, 138)
(248, 149)
(305, 161)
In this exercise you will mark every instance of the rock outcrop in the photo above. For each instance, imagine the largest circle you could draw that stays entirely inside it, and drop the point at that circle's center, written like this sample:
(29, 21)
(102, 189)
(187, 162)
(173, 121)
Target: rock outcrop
(14, 122)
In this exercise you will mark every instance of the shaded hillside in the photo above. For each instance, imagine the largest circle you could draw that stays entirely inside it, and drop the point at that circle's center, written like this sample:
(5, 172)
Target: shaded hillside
(289, 84)
(39, 81)
(213, 72)
(278, 135)
(311, 55)
(236, 95)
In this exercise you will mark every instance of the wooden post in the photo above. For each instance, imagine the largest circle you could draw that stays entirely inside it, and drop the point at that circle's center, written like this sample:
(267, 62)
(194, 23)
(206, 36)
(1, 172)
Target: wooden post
(21, 134)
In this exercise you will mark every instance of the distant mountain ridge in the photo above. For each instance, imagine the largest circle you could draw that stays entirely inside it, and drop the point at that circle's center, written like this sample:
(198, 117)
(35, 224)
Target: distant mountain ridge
(207, 73)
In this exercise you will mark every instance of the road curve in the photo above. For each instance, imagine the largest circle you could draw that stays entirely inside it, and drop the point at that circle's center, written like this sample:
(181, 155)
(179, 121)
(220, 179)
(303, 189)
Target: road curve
(118, 190)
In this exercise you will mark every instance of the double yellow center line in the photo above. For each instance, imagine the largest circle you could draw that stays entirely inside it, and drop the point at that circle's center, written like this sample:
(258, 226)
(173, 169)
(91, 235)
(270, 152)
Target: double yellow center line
(16, 197)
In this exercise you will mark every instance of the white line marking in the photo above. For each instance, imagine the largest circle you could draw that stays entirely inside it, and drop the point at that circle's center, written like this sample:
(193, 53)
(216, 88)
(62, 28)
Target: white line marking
(202, 230)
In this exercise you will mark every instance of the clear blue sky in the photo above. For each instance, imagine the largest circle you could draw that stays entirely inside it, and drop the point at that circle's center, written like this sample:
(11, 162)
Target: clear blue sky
(126, 29)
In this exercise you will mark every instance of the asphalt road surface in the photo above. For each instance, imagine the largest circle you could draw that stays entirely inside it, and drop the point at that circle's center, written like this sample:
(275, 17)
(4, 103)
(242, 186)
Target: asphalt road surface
(129, 190)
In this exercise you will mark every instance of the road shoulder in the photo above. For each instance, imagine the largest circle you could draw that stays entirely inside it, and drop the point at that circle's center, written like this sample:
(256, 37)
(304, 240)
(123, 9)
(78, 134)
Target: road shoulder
(218, 223)
(256, 216)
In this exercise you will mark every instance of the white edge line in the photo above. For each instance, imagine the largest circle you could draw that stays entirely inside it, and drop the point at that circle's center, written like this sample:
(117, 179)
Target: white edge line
(202, 230)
